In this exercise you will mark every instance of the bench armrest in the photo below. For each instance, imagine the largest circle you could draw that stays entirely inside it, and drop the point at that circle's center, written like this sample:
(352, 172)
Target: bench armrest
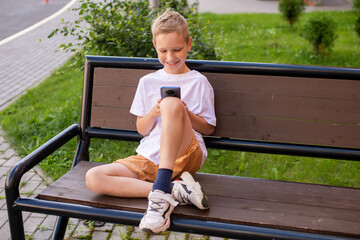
(24, 165)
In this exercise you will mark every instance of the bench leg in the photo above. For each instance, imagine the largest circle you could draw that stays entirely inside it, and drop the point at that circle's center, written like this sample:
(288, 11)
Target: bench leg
(60, 228)
(16, 224)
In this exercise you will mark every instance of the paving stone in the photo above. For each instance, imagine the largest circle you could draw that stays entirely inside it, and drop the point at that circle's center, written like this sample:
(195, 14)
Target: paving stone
(12, 158)
(216, 238)
(29, 187)
(4, 170)
(106, 227)
(2, 194)
(41, 234)
(74, 221)
(26, 215)
(49, 222)
(195, 237)
(2, 161)
(8, 154)
(39, 215)
(39, 189)
(157, 237)
(115, 237)
(138, 234)
(3, 217)
(81, 230)
(2, 184)
(119, 232)
(5, 232)
(100, 235)
(3, 204)
(32, 224)
(176, 236)
(36, 177)
(38, 171)
(69, 230)
(27, 176)
(4, 146)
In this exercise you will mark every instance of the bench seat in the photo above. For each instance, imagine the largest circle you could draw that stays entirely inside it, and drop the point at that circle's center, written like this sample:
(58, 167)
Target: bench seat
(238, 200)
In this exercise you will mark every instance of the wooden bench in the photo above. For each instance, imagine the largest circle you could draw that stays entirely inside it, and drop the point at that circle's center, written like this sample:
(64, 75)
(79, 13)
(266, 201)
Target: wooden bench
(268, 108)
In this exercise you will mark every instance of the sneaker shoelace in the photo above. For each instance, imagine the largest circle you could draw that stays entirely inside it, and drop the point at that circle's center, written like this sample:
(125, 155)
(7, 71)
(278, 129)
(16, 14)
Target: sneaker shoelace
(156, 206)
(183, 197)
(157, 202)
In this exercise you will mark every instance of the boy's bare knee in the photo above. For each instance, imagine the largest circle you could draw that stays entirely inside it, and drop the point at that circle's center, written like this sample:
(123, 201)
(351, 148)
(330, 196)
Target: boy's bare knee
(92, 180)
(171, 104)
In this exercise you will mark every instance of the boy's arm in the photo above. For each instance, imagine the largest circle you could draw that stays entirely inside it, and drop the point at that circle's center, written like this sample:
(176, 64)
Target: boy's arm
(146, 123)
(199, 123)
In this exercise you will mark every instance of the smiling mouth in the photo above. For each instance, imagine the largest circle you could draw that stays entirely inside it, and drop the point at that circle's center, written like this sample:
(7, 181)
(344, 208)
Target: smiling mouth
(172, 63)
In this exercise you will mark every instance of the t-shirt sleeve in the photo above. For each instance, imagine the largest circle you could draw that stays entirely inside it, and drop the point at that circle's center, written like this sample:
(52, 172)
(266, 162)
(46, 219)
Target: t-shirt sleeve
(207, 110)
(138, 104)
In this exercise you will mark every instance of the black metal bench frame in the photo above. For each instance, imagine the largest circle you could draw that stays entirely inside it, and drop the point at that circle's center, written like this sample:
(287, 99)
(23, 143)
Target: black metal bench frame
(17, 204)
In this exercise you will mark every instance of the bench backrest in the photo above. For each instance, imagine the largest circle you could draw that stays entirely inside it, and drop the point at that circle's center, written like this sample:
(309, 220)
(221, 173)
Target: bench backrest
(265, 103)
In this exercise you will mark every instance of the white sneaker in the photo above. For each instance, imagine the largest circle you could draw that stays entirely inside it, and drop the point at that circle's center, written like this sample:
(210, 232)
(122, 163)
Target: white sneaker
(157, 217)
(187, 191)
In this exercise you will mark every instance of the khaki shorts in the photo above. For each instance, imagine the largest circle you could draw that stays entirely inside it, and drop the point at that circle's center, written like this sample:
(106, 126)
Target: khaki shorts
(147, 170)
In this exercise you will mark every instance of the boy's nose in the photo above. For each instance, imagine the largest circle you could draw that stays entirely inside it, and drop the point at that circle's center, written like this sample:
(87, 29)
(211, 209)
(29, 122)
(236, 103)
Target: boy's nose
(170, 56)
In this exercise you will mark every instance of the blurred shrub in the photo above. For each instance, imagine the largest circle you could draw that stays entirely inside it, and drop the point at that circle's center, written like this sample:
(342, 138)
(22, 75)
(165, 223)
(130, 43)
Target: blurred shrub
(291, 9)
(357, 25)
(356, 6)
(123, 28)
(320, 31)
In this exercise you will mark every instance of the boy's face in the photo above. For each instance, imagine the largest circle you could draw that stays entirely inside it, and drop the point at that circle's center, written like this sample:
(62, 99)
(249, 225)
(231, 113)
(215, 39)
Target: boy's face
(172, 51)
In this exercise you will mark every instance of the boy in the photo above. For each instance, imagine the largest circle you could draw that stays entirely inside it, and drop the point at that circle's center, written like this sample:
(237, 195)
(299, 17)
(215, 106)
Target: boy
(172, 146)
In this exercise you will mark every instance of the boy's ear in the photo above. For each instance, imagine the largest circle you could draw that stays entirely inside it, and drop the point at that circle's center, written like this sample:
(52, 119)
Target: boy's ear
(154, 44)
(189, 45)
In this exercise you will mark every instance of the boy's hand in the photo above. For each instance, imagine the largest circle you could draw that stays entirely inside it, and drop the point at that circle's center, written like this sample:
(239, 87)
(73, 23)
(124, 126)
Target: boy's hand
(198, 123)
(186, 107)
(155, 111)
(146, 123)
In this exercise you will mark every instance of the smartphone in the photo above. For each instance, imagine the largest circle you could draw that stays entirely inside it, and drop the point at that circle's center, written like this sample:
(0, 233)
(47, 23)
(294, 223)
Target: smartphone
(170, 92)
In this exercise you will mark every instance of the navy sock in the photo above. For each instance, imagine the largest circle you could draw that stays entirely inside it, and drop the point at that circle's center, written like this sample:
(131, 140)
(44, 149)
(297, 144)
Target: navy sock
(163, 180)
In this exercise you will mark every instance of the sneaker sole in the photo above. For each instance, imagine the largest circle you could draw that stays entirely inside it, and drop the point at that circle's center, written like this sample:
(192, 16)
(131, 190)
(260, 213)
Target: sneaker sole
(159, 230)
(204, 203)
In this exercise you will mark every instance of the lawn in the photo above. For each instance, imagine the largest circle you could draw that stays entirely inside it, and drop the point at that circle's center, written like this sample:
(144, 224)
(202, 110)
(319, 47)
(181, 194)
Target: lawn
(55, 104)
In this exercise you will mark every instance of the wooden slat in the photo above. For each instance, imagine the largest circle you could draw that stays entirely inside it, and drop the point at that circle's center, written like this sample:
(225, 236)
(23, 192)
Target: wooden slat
(311, 111)
(108, 117)
(287, 107)
(290, 131)
(286, 86)
(118, 76)
(256, 202)
(113, 96)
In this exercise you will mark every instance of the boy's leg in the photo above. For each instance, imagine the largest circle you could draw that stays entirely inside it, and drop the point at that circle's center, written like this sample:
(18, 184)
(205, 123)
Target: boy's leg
(176, 131)
(116, 179)
(176, 136)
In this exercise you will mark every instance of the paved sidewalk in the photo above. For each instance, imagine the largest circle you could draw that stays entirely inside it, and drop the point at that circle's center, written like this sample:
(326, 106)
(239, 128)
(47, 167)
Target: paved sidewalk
(25, 62)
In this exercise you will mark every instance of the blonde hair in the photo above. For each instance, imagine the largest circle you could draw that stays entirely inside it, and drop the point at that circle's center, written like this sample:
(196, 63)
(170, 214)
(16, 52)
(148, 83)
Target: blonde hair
(169, 22)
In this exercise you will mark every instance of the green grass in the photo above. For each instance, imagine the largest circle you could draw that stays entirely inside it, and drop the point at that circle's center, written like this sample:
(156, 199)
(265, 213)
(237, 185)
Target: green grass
(55, 104)
(269, 38)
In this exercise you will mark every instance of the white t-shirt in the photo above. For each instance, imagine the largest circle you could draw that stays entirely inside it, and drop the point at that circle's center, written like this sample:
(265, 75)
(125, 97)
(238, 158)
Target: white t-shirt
(196, 92)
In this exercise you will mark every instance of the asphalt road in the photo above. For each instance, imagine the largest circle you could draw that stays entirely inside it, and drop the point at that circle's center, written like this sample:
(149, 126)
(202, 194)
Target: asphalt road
(16, 15)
